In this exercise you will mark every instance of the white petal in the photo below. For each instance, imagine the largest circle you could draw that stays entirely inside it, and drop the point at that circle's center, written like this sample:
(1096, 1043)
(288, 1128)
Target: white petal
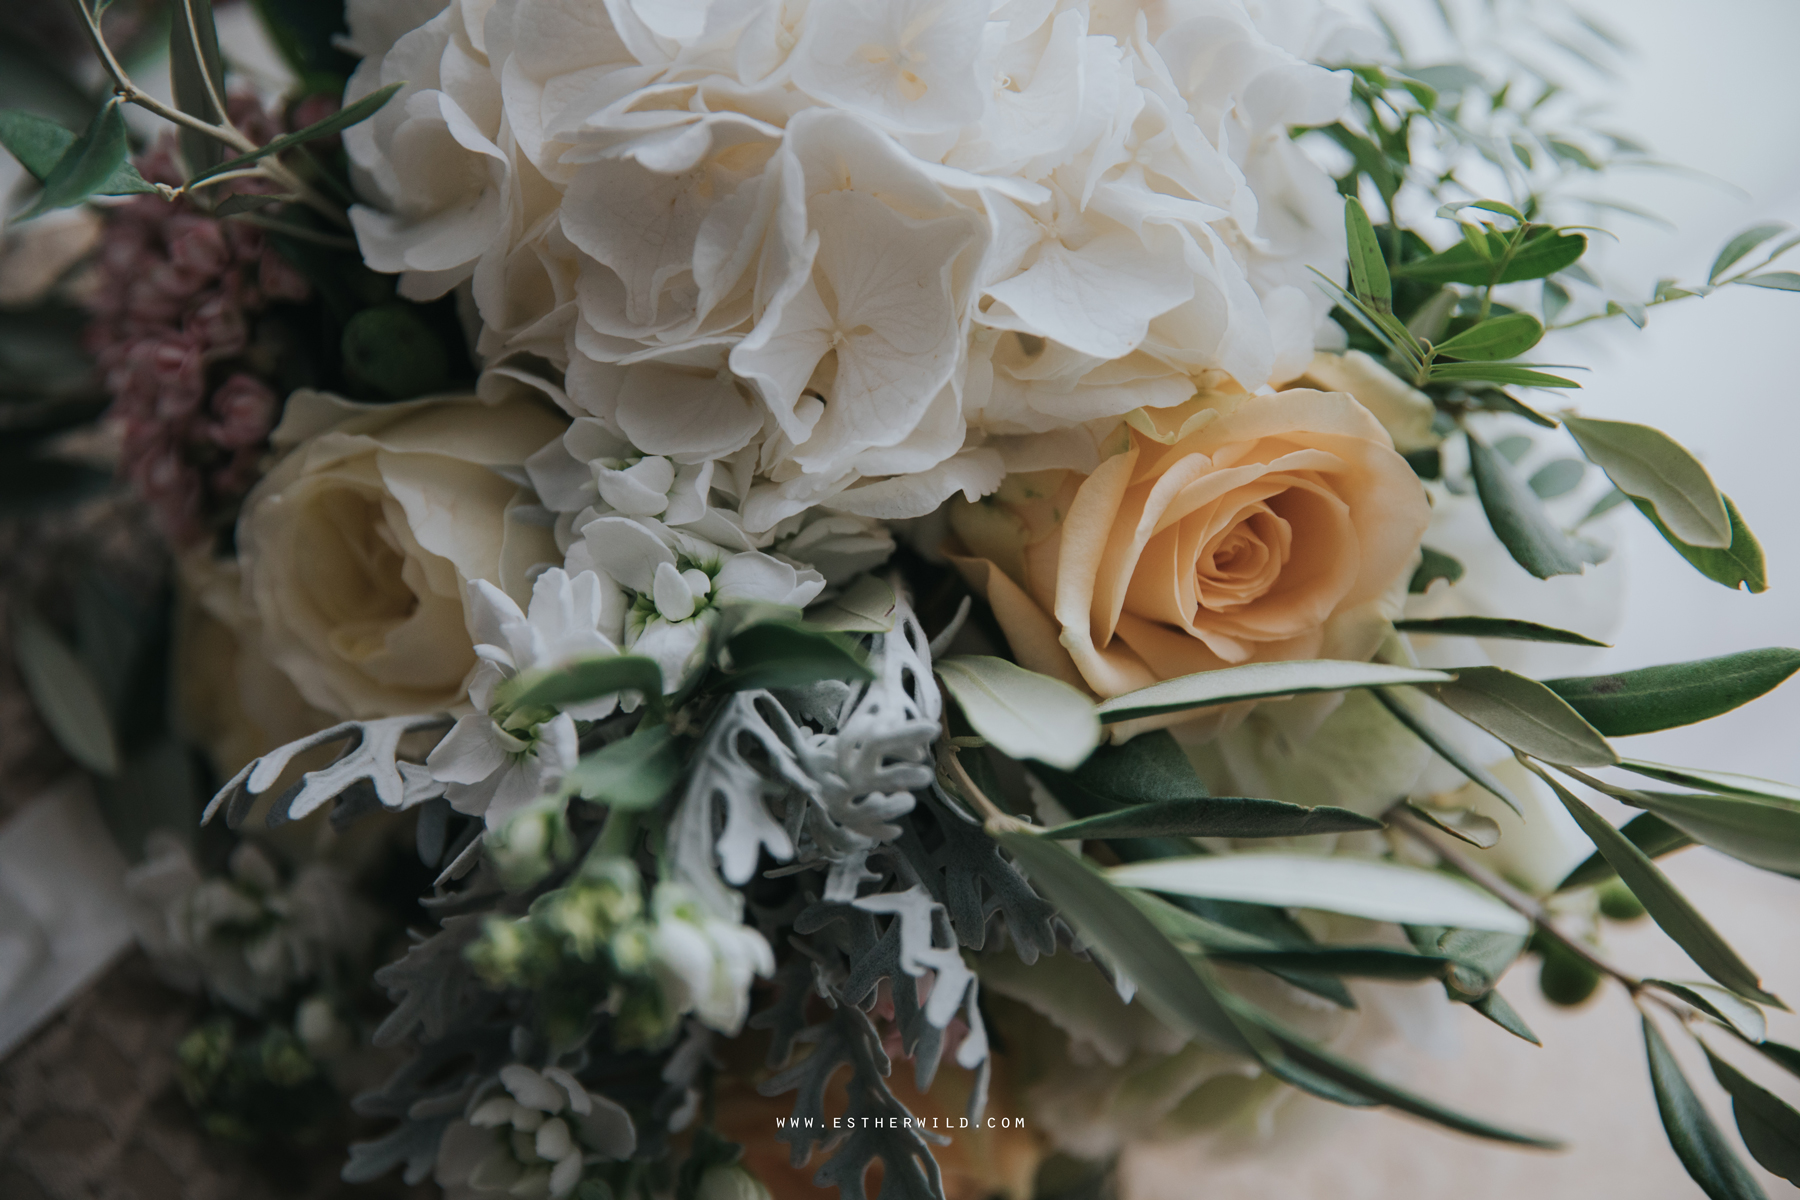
(626, 550)
(469, 753)
(674, 599)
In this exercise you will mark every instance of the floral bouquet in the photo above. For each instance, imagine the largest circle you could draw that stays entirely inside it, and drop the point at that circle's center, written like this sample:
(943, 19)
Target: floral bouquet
(928, 595)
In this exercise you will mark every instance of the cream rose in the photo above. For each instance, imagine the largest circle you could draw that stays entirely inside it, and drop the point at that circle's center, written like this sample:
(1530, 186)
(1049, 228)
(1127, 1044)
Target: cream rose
(357, 548)
(1227, 530)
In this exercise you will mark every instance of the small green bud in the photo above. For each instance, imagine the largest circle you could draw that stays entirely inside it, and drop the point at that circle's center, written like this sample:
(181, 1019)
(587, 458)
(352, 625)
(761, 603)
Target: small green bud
(1565, 979)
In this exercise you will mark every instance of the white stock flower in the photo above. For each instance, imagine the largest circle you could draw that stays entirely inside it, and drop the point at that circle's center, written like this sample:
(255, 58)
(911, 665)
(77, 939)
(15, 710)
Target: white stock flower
(494, 767)
(705, 962)
(677, 580)
(531, 1133)
(843, 245)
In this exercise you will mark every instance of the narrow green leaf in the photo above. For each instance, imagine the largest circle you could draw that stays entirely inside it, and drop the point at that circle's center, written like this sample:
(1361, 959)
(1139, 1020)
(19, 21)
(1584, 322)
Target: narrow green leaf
(1654, 698)
(1178, 991)
(1697, 1141)
(1785, 1057)
(1721, 1004)
(1433, 566)
(1501, 373)
(1741, 245)
(86, 166)
(779, 654)
(1463, 824)
(1649, 465)
(1519, 520)
(1351, 1076)
(1494, 1007)
(1781, 281)
(1762, 832)
(1525, 715)
(1150, 768)
(1021, 713)
(633, 773)
(1602, 506)
(1724, 782)
(39, 143)
(1445, 749)
(1493, 206)
(1368, 267)
(1494, 627)
(194, 64)
(243, 202)
(343, 118)
(1540, 255)
(1558, 477)
(1256, 681)
(1741, 565)
(1769, 1126)
(1215, 816)
(1647, 831)
(66, 696)
(1372, 888)
(1501, 337)
(1665, 904)
(1360, 962)
(580, 682)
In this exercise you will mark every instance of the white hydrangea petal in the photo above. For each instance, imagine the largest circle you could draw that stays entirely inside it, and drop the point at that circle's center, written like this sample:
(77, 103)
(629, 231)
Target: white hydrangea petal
(531, 1089)
(674, 598)
(626, 550)
(469, 753)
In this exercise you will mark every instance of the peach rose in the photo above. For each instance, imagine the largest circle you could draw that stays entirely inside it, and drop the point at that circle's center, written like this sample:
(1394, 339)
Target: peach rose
(1227, 530)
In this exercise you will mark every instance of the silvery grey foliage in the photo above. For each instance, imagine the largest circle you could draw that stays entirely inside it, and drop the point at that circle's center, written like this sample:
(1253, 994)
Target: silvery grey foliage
(370, 763)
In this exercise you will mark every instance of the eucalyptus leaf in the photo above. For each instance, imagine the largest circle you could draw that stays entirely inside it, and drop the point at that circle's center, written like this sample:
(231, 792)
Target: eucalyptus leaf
(1257, 681)
(89, 163)
(1541, 254)
(1649, 465)
(1762, 832)
(1178, 991)
(633, 773)
(1372, 888)
(1499, 337)
(1665, 697)
(1769, 1126)
(1721, 1004)
(1021, 713)
(342, 119)
(1741, 245)
(66, 696)
(1647, 831)
(580, 682)
(1495, 627)
(1713, 781)
(1216, 816)
(39, 143)
(1368, 267)
(1739, 565)
(1665, 904)
(1519, 520)
(1697, 1141)
(1526, 715)
(1445, 749)
(775, 654)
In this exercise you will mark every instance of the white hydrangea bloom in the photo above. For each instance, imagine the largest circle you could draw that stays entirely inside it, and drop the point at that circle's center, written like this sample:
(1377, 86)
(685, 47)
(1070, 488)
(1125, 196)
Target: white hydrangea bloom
(857, 252)
(494, 767)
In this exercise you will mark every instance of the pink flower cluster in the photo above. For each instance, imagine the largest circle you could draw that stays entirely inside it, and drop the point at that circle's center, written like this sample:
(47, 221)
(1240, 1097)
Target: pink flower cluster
(175, 306)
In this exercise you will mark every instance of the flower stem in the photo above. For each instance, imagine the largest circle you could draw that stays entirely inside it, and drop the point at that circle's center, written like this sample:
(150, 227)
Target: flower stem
(1512, 897)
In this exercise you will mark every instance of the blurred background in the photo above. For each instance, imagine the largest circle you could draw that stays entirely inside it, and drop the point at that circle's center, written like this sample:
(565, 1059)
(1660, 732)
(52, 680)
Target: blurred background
(1712, 92)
